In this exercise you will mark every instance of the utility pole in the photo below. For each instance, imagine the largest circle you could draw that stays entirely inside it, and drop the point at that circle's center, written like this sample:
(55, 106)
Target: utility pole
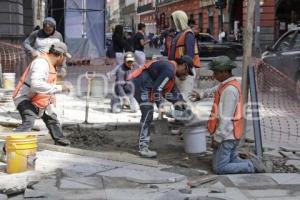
(247, 49)
(257, 28)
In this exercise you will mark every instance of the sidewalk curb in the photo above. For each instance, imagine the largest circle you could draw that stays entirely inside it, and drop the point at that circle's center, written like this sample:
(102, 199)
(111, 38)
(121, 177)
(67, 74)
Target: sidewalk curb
(114, 156)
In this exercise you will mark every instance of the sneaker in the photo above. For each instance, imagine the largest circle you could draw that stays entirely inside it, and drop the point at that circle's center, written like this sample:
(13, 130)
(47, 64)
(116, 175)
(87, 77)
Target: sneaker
(62, 142)
(21, 129)
(147, 153)
(257, 163)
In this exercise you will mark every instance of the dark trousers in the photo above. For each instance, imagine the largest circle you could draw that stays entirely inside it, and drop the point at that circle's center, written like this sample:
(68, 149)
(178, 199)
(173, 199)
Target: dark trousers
(29, 113)
(146, 107)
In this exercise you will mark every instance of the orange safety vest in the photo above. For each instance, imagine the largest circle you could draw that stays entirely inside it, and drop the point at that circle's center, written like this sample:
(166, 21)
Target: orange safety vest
(170, 84)
(238, 114)
(168, 44)
(181, 48)
(40, 100)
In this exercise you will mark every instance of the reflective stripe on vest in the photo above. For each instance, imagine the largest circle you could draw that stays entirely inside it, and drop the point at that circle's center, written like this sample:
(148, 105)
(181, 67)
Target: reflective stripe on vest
(181, 48)
(238, 114)
(39, 99)
(167, 87)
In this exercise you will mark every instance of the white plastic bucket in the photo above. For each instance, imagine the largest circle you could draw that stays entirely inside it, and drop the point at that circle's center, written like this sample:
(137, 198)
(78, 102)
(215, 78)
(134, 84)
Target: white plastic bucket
(195, 139)
(9, 80)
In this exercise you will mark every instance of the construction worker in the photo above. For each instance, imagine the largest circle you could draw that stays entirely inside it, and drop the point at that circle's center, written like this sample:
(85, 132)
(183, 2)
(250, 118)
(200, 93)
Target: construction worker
(34, 95)
(39, 41)
(152, 81)
(226, 120)
(184, 43)
(124, 89)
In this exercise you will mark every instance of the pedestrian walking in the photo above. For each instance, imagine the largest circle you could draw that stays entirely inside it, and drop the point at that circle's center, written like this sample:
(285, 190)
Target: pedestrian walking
(138, 44)
(226, 120)
(156, 79)
(34, 95)
(119, 46)
(184, 43)
(124, 89)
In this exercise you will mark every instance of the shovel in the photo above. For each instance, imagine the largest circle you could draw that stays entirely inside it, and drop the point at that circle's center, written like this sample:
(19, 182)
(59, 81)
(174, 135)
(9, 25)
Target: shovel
(89, 76)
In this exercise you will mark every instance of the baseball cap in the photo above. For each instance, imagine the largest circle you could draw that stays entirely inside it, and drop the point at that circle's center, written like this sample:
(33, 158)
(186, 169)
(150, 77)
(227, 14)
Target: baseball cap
(62, 48)
(129, 57)
(190, 65)
(221, 63)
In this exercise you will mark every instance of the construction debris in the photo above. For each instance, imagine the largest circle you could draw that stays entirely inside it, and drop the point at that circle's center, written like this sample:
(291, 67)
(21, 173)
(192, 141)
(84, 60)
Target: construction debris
(201, 180)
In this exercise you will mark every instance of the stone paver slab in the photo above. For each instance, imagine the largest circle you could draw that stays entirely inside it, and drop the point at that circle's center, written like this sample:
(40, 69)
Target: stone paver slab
(295, 163)
(230, 194)
(29, 193)
(49, 161)
(286, 178)
(290, 155)
(266, 193)
(251, 180)
(290, 148)
(81, 183)
(3, 197)
(279, 198)
(142, 174)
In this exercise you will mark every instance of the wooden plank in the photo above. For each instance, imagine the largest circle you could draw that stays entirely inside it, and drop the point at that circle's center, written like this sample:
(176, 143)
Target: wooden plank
(201, 180)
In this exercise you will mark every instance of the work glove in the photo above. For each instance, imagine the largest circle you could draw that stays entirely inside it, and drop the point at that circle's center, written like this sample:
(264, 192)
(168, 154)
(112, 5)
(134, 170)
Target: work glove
(63, 72)
(180, 106)
(194, 96)
(66, 88)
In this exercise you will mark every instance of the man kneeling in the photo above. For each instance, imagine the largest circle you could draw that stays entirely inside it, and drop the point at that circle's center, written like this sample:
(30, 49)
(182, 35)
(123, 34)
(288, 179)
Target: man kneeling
(226, 121)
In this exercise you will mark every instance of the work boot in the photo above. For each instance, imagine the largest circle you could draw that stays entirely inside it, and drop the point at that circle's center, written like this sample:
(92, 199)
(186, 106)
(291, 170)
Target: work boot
(21, 129)
(62, 142)
(257, 163)
(145, 152)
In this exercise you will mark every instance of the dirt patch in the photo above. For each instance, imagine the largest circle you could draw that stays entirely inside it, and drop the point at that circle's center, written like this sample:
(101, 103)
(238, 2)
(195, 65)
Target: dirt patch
(170, 147)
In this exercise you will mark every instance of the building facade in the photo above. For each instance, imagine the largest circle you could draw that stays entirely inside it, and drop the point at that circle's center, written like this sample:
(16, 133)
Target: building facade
(147, 11)
(167, 7)
(129, 15)
(19, 17)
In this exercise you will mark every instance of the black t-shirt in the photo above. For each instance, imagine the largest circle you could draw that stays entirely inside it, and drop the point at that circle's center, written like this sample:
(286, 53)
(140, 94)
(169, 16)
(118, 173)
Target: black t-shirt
(137, 41)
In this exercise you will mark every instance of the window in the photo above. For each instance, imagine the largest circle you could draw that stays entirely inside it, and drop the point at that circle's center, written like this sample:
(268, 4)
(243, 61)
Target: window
(200, 22)
(220, 21)
(285, 43)
(297, 42)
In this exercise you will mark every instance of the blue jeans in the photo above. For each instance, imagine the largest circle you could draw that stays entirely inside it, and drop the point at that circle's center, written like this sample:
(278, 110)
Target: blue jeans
(227, 161)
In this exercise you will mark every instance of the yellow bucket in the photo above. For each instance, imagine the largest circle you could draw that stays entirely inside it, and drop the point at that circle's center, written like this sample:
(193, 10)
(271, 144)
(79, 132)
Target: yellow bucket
(20, 153)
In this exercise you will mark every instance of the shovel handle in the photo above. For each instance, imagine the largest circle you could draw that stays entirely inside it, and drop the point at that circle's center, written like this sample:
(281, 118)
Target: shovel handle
(90, 75)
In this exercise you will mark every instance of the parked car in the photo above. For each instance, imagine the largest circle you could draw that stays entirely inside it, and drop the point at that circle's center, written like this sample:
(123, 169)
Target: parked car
(210, 47)
(284, 55)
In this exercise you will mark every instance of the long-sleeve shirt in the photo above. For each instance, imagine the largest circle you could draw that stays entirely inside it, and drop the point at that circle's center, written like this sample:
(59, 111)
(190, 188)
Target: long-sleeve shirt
(227, 106)
(160, 73)
(189, 45)
(122, 87)
(37, 80)
(38, 41)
